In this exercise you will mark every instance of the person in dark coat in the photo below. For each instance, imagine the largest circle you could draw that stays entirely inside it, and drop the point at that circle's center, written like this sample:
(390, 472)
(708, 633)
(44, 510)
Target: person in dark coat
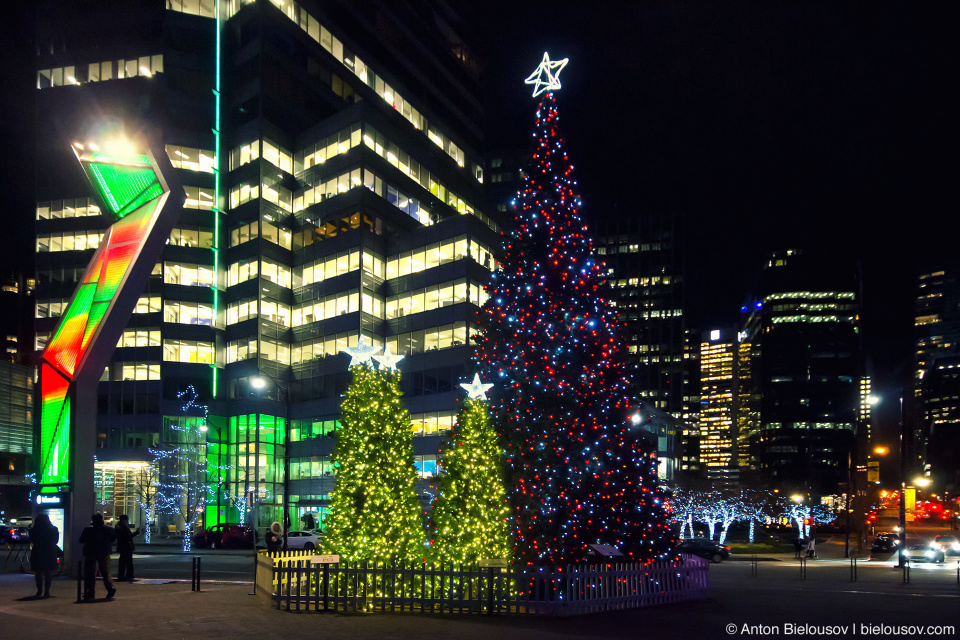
(125, 549)
(97, 542)
(44, 553)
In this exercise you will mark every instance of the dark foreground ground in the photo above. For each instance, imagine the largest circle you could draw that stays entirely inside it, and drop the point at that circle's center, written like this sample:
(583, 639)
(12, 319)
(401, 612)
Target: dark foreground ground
(777, 602)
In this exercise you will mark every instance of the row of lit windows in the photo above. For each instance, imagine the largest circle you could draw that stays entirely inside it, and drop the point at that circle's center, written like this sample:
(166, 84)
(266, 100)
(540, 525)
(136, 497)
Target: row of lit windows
(133, 371)
(69, 241)
(191, 158)
(809, 295)
(193, 351)
(402, 160)
(450, 335)
(147, 304)
(144, 66)
(139, 338)
(435, 297)
(307, 351)
(332, 145)
(247, 191)
(245, 309)
(270, 232)
(628, 248)
(246, 348)
(348, 302)
(191, 275)
(423, 424)
(333, 266)
(205, 8)
(191, 238)
(805, 318)
(248, 269)
(71, 208)
(437, 254)
(197, 313)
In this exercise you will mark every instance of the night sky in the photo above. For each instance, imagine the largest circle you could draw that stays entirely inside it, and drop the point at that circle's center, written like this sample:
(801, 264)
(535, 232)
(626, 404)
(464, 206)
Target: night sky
(768, 124)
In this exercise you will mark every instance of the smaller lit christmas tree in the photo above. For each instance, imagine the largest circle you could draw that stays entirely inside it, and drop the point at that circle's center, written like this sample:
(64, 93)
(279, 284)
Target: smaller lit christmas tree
(374, 513)
(182, 489)
(470, 513)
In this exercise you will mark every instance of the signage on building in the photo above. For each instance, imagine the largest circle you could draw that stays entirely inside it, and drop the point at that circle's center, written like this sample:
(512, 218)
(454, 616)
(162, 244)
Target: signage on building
(49, 500)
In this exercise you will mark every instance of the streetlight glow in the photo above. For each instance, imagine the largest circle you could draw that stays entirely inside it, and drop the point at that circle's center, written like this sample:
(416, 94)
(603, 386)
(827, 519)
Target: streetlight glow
(258, 383)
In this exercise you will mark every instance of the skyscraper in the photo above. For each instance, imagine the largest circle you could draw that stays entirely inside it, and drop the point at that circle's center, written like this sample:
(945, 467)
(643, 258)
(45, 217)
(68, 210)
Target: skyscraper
(802, 332)
(936, 412)
(719, 350)
(330, 154)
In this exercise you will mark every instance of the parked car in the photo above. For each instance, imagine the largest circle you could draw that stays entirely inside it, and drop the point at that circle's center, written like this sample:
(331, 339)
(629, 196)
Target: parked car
(302, 540)
(6, 534)
(230, 536)
(885, 542)
(949, 544)
(704, 548)
(926, 552)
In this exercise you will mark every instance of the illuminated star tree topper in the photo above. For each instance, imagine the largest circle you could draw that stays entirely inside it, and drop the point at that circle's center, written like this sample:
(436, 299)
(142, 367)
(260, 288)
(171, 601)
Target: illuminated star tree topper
(362, 352)
(476, 389)
(547, 75)
(388, 360)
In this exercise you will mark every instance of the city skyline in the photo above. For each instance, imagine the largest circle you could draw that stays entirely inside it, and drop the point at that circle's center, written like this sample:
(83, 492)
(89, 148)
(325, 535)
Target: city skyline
(728, 115)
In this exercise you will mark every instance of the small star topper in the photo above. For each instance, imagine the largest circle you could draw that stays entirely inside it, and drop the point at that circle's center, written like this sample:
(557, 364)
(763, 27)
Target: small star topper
(545, 78)
(476, 389)
(388, 360)
(362, 352)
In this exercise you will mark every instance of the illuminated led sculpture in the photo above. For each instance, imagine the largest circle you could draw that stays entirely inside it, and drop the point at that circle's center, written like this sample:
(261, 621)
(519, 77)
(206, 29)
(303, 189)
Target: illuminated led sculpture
(133, 188)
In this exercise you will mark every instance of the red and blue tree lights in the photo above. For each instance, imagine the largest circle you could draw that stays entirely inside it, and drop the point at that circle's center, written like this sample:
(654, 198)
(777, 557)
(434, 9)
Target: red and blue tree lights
(575, 473)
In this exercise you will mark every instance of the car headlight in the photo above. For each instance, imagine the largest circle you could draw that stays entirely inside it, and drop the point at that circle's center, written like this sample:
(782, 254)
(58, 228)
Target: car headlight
(930, 553)
(906, 552)
(956, 546)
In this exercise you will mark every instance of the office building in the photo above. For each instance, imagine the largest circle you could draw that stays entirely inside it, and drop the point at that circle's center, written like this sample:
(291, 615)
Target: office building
(935, 412)
(16, 436)
(802, 338)
(719, 359)
(330, 156)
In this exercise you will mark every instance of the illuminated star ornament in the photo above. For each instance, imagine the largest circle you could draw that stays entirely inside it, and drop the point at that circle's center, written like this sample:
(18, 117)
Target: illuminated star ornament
(362, 352)
(476, 389)
(547, 75)
(388, 360)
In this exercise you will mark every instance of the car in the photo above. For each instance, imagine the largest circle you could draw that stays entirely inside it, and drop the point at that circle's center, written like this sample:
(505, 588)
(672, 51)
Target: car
(949, 544)
(6, 534)
(225, 535)
(885, 542)
(302, 540)
(925, 552)
(712, 551)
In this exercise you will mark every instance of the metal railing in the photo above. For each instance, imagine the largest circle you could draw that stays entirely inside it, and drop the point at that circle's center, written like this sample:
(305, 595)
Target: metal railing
(293, 583)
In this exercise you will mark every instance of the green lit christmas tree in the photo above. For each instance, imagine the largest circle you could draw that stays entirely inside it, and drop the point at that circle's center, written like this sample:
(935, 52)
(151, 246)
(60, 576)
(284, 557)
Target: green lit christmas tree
(374, 513)
(470, 513)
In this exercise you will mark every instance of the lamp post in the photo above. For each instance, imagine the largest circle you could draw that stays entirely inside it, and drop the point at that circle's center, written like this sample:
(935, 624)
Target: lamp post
(259, 383)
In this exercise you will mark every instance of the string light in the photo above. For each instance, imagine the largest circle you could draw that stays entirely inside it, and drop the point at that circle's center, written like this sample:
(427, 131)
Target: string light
(575, 473)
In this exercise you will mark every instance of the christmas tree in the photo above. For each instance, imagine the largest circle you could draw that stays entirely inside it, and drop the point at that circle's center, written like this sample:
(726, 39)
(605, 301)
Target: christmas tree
(577, 475)
(182, 485)
(470, 513)
(374, 513)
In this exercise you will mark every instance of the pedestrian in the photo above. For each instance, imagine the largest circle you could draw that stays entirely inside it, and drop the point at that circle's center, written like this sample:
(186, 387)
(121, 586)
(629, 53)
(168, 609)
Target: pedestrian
(811, 547)
(797, 547)
(44, 553)
(125, 548)
(97, 542)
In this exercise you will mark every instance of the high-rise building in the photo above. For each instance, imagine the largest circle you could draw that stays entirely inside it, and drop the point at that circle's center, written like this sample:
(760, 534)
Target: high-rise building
(16, 435)
(330, 154)
(936, 413)
(802, 334)
(719, 359)
(644, 258)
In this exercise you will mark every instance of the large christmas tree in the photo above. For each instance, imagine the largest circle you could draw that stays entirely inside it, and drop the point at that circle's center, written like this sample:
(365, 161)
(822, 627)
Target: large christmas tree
(576, 473)
(469, 518)
(374, 512)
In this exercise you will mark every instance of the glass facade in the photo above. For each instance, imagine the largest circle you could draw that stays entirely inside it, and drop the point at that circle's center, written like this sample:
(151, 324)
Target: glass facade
(344, 204)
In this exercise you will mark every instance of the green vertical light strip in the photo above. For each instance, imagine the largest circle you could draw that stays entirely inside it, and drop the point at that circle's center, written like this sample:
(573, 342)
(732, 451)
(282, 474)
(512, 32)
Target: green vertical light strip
(216, 185)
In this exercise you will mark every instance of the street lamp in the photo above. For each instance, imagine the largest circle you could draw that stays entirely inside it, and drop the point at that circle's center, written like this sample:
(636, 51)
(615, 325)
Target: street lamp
(259, 383)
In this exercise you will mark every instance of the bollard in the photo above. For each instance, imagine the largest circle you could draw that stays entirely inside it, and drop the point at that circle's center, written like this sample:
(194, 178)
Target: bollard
(853, 569)
(803, 568)
(906, 571)
(753, 565)
(79, 578)
(958, 572)
(195, 574)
